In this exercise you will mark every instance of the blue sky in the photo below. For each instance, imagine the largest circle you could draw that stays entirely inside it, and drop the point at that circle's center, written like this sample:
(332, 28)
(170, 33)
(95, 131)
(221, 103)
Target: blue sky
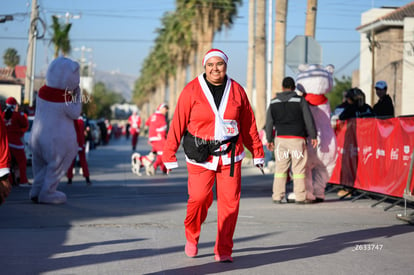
(120, 33)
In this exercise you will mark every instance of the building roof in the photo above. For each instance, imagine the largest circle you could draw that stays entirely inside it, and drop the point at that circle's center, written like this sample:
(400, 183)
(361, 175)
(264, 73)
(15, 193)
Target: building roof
(394, 18)
(9, 75)
(20, 72)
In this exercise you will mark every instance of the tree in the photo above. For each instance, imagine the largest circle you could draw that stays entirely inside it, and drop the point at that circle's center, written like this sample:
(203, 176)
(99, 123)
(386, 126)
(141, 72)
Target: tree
(184, 38)
(60, 37)
(99, 104)
(11, 58)
(279, 51)
(340, 86)
(260, 56)
(250, 51)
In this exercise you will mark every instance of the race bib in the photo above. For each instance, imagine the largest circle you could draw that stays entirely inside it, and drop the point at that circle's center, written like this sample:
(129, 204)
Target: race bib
(230, 128)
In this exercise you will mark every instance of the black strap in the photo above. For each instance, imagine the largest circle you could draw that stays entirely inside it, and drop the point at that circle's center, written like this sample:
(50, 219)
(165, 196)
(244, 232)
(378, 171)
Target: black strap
(214, 145)
(231, 147)
(233, 152)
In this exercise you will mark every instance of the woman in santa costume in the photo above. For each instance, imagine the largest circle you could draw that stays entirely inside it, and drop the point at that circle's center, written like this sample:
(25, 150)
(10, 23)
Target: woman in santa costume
(157, 134)
(53, 140)
(5, 186)
(135, 126)
(16, 124)
(215, 117)
(80, 137)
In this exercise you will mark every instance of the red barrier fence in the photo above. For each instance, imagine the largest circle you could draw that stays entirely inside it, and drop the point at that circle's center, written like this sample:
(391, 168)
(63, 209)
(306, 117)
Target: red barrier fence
(374, 154)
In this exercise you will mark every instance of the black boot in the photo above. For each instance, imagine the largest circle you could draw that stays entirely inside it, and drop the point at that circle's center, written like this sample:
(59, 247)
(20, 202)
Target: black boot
(69, 181)
(88, 181)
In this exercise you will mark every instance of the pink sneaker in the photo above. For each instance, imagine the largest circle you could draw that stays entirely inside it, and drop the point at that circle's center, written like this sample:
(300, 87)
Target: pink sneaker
(191, 250)
(223, 259)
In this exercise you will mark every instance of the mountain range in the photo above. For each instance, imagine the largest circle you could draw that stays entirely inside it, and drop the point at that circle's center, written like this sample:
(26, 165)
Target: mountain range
(117, 82)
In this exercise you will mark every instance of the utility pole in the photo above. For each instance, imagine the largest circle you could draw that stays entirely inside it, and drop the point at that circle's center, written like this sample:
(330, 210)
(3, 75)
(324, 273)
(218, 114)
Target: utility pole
(31, 54)
(372, 66)
(83, 49)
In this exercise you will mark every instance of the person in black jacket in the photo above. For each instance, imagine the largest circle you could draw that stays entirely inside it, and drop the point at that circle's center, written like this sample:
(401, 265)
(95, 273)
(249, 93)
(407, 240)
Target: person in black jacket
(290, 116)
(357, 107)
(384, 107)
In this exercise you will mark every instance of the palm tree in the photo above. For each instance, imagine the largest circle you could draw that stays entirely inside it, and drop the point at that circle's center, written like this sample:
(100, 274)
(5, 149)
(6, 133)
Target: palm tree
(279, 46)
(60, 37)
(311, 18)
(11, 58)
(207, 17)
(250, 51)
(260, 110)
(186, 35)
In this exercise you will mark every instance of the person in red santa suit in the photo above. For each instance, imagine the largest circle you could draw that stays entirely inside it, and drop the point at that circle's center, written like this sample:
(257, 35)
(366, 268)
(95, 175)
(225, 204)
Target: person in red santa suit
(109, 130)
(16, 125)
(5, 186)
(135, 126)
(80, 136)
(214, 116)
(157, 134)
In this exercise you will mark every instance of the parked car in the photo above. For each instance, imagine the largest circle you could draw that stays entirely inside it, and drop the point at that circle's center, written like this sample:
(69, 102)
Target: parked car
(26, 141)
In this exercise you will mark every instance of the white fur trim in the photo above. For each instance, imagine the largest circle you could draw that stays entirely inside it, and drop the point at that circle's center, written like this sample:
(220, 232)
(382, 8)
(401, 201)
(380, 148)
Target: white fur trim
(171, 165)
(4, 171)
(257, 161)
(215, 53)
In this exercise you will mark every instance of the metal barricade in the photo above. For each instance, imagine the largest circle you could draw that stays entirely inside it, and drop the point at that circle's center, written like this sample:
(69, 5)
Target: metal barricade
(408, 196)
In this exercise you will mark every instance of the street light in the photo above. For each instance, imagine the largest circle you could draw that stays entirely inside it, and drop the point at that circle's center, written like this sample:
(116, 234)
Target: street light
(83, 49)
(5, 18)
(68, 16)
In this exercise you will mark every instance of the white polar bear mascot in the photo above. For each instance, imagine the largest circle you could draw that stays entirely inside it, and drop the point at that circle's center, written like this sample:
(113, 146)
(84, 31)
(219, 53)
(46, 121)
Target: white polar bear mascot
(316, 81)
(53, 138)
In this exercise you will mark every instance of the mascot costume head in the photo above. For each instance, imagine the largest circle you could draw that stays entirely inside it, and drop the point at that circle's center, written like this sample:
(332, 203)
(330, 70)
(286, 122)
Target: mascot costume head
(315, 81)
(53, 139)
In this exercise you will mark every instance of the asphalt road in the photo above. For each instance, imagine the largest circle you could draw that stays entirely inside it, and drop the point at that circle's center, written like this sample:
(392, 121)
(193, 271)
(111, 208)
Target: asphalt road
(126, 224)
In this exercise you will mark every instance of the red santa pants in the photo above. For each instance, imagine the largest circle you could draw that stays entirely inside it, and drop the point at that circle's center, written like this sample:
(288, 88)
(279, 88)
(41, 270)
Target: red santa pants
(134, 140)
(20, 157)
(157, 146)
(200, 191)
(83, 163)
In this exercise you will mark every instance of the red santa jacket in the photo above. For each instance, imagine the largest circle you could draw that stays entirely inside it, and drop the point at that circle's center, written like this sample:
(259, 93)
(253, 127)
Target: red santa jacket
(80, 132)
(157, 127)
(16, 126)
(4, 150)
(135, 124)
(197, 113)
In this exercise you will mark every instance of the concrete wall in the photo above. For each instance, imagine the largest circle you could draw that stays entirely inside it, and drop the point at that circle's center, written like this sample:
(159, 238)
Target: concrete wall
(7, 90)
(365, 59)
(407, 102)
(388, 62)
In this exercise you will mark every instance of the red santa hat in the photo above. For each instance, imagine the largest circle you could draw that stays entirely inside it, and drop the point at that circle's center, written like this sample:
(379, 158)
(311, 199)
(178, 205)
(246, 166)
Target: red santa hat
(215, 52)
(11, 101)
(162, 105)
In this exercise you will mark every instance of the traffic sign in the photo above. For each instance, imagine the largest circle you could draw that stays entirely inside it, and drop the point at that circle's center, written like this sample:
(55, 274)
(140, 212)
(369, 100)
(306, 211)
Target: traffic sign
(303, 50)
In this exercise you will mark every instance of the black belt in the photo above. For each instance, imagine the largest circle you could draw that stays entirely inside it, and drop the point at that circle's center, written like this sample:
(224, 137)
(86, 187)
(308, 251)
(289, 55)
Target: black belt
(209, 147)
(231, 147)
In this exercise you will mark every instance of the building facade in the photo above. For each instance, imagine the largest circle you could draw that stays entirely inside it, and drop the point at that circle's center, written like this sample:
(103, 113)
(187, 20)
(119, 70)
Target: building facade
(387, 53)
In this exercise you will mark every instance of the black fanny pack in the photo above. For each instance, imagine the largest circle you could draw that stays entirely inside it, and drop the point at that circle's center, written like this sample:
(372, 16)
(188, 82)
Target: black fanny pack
(198, 149)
